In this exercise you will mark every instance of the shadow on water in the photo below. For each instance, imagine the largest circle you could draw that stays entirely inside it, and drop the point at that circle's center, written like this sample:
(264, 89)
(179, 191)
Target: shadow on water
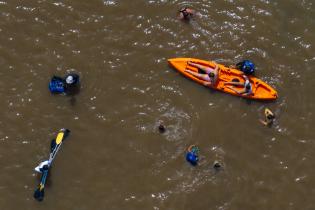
(72, 92)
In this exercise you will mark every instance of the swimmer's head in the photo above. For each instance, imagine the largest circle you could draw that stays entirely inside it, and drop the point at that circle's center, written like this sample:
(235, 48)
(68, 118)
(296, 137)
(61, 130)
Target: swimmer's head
(161, 128)
(269, 115)
(217, 165)
(69, 80)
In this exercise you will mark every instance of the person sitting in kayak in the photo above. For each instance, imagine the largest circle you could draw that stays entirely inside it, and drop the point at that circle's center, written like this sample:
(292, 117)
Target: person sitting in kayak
(246, 66)
(246, 84)
(211, 76)
(186, 13)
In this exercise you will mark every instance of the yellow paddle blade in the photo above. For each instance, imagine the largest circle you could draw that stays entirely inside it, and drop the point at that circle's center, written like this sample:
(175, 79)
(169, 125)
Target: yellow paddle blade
(59, 137)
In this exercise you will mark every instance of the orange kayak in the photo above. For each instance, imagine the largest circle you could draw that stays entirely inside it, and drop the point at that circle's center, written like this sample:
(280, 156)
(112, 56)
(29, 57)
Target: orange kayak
(260, 89)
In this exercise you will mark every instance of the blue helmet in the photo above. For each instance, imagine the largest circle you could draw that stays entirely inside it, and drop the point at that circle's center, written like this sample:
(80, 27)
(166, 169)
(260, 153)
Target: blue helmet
(248, 67)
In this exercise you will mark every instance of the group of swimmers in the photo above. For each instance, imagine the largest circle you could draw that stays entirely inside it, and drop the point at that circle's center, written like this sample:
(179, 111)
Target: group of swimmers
(70, 84)
(192, 153)
(210, 76)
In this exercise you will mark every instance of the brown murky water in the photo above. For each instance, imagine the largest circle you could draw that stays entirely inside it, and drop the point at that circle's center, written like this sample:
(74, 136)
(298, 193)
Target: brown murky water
(115, 158)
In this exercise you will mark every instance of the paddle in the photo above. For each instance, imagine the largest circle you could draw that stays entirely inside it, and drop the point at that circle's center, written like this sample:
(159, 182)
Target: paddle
(39, 192)
(55, 146)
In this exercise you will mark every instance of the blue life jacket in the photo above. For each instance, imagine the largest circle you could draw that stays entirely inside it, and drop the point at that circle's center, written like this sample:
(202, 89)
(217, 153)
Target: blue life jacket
(56, 85)
(192, 158)
(246, 66)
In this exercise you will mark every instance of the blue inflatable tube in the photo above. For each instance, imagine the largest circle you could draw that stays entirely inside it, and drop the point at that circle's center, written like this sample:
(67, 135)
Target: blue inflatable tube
(56, 85)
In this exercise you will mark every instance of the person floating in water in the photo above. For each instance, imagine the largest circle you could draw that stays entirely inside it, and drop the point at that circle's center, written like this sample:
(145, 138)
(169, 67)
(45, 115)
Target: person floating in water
(246, 66)
(69, 84)
(269, 118)
(246, 84)
(161, 128)
(186, 14)
(217, 165)
(192, 155)
(211, 74)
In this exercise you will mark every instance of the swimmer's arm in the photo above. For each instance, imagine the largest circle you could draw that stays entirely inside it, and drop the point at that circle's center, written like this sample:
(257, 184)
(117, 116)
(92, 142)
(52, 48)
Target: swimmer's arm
(263, 122)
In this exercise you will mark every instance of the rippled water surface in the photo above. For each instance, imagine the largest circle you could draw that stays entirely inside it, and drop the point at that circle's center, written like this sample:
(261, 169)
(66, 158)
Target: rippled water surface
(115, 158)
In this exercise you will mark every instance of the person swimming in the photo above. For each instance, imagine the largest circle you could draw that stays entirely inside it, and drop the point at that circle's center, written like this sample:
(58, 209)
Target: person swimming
(269, 118)
(246, 84)
(211, 74)
(186, 13)
(217, 165)
(161, 127)
(192, 155)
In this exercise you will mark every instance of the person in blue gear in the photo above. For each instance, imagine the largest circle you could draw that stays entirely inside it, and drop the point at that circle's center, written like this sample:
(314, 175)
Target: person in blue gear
(68, 85)
(246, 66)
(192, 155)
